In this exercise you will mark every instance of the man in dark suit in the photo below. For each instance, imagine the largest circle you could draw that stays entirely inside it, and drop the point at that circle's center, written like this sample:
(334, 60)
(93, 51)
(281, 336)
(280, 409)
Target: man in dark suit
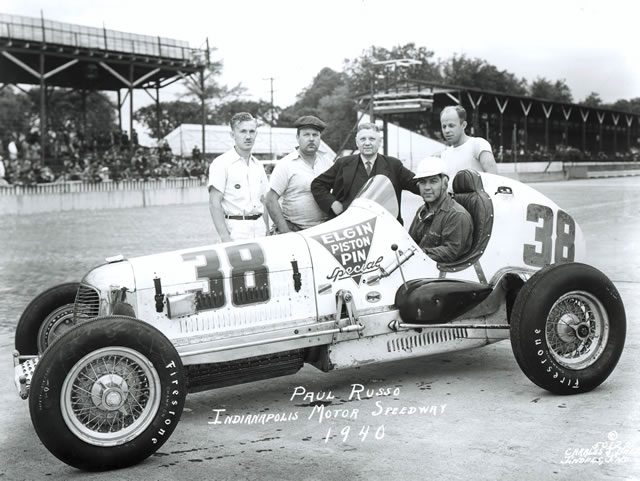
(335, 189)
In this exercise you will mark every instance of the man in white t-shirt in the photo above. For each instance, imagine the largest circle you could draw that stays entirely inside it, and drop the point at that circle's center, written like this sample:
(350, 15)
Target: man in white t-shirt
(463, 151)
(237, 186)
(290, 202)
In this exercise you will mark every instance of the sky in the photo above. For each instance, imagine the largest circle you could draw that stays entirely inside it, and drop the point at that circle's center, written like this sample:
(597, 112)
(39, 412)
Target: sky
(592, 45)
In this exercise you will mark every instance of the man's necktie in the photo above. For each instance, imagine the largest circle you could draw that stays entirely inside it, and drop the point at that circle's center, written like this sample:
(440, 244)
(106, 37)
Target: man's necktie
(368, 167)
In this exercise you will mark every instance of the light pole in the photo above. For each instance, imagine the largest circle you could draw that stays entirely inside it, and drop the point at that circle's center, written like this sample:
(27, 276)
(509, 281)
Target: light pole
(271, 79)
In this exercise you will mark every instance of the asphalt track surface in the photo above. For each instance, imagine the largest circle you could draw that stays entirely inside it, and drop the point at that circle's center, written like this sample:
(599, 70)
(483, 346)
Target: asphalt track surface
(484, 419)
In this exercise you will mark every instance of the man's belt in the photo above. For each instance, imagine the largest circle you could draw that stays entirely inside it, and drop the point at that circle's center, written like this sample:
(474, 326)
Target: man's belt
(243, 217)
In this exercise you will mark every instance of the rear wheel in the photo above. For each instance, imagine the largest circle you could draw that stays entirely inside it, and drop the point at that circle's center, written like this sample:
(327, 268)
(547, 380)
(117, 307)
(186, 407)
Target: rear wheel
(568, 328)
(46, 318)
(108, 394)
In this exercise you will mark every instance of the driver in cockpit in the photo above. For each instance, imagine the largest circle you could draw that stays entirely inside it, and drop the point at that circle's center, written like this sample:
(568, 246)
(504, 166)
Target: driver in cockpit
(441, 227)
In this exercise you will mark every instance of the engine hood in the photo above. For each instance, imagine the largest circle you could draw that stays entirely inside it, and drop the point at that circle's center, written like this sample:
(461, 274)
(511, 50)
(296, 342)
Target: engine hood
(189, 267)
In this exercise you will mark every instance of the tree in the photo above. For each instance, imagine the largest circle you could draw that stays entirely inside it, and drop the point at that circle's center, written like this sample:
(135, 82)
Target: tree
(631, 105)
(479, 74)
(15, 111)
(208, 89)
(338, 111)
(261, 110)
(172, 115)
(363, 70)
(557, 92)
(329, 98)
(592, 100)
(68, 111)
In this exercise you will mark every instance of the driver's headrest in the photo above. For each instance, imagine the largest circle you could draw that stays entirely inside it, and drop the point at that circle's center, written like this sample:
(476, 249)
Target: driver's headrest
(467, 181)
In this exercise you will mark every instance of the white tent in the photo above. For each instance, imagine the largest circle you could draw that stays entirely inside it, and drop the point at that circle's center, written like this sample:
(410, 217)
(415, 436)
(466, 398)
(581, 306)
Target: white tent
(278, 141)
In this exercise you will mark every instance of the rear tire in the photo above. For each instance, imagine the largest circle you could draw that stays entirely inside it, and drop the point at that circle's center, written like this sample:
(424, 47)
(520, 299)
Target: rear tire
(107, 394)
(568, 328)
(46, 318)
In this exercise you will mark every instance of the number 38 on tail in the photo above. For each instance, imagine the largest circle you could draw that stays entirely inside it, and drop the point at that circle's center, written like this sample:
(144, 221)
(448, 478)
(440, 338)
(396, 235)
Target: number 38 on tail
(106, 363)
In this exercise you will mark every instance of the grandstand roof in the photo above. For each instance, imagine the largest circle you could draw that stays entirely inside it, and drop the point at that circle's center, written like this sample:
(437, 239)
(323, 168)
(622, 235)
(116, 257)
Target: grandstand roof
(82, 57)
(488, 100)
(277, 141)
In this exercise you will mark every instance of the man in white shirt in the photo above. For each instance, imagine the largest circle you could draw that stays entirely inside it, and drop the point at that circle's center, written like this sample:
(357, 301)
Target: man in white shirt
(463, 151)
(290, 202)
(237, 186)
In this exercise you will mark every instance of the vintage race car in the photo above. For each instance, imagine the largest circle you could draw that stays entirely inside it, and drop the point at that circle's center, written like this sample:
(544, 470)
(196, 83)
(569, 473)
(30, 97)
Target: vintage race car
(106, 363)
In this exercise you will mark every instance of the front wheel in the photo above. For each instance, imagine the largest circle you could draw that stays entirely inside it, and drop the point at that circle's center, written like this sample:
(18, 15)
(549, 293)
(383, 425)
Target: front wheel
(568, 328)
(107, 394)
(47, 317)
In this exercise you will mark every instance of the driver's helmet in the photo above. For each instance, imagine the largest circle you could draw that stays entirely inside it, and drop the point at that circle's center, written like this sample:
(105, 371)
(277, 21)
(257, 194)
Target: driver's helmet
(431, 166)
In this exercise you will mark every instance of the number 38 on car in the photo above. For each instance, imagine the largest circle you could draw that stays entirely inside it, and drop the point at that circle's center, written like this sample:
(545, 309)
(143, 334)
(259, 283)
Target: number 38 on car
(106, 363)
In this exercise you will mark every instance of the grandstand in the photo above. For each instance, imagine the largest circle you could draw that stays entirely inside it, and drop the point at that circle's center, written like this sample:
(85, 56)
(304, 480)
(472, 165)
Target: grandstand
(38, 51)
(518, 127)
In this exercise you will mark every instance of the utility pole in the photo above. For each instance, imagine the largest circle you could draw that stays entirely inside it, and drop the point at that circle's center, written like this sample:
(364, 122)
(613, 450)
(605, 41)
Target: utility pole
(271, 79)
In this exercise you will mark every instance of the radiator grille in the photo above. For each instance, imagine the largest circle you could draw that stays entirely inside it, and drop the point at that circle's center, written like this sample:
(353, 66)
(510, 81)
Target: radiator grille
(87, 304)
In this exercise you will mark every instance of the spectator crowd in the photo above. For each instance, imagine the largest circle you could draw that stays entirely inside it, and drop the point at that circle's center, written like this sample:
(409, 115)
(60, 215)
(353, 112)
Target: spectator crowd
(106, 157)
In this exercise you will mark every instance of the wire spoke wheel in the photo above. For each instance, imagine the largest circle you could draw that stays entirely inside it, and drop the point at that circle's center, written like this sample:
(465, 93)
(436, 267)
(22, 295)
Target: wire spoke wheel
(110, 396)
(577, 330)
(568, 328)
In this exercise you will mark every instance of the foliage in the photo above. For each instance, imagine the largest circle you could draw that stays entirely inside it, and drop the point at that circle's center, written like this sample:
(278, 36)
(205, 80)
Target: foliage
(15, 111)
(592, 100)
(338, 110)
(479, 74)
(261, 110)
(65, 110)
(543, 88)
(172, 115)
(631, 105)
(361, 71)
(208, 89)
(329, 99)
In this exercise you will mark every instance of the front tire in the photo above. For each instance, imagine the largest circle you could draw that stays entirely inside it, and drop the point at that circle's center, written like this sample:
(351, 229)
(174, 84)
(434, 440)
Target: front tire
(107, 394)
(568, 328)
(47, 317)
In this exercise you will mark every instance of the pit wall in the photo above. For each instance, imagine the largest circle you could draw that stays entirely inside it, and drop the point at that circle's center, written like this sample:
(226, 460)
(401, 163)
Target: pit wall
(22, 200)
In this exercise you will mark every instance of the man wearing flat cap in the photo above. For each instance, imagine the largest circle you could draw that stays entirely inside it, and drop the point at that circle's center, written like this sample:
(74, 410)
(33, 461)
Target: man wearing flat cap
(289, 202)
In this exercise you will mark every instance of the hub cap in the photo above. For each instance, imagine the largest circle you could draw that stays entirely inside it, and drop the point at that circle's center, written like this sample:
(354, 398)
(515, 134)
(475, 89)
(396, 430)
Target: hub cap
(54, 325)
(110, 396)
(577, 330)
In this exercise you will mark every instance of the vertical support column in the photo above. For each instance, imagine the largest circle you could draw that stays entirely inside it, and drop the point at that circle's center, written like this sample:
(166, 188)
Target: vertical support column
(204, 111)
(119, 112)
(475, 116)
(567, 114)
(629, 120)
(372, 93)
(501, 109)
(158, 108)
(130, 103)
(600, 120)
(84, 94)
(584, 114)
(616, 118)
(547, 114)
(43, 111)
(385, 133)
(525, 111)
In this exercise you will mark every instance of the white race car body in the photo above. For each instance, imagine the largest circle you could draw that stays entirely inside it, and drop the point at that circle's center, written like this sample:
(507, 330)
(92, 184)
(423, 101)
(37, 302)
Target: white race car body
(230, 301)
